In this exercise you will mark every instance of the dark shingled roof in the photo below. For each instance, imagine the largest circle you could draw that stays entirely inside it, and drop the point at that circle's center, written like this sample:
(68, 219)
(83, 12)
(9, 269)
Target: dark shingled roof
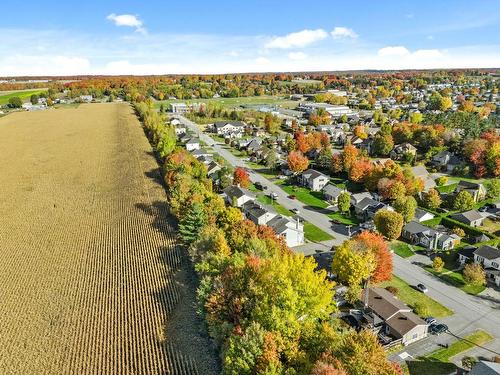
(488, 252)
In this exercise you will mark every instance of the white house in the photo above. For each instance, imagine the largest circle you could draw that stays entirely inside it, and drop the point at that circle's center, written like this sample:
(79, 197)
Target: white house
(291, 229)
(231, 129)
(257, 213)
(432, 239)
(192, 144)
(179, 108)
(489, 258)
(331, 193)
(313, 179)
(236, 196)
(422, 215)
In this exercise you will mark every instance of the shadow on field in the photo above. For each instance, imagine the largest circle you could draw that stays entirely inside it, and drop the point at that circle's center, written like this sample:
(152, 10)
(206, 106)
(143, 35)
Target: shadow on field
(155, 176)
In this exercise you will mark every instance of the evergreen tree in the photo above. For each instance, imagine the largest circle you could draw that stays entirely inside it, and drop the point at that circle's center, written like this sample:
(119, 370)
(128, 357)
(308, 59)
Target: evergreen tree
(191, 224)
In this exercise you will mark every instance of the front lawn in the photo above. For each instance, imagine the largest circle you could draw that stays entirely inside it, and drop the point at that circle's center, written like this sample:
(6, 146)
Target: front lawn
(402, 249)
(456, 279)
(314, 234)
(306, 196)
(428, 367)
(277, 207)
(342, 218)
(477, 338)
(447, 188)
(410, 296)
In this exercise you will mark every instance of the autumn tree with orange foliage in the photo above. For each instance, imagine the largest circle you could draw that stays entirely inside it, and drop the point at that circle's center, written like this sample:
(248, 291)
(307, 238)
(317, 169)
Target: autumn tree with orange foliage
(301, 142)
(360, 168)
(241, 177)
(375, 243)
(297, 162)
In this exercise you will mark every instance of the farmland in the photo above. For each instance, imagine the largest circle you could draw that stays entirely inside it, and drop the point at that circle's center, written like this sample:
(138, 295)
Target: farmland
(91, 279)
(23, 94)
(230, 103)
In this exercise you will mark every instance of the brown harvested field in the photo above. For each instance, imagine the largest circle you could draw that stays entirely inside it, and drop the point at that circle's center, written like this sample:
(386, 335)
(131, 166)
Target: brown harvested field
(91, 281)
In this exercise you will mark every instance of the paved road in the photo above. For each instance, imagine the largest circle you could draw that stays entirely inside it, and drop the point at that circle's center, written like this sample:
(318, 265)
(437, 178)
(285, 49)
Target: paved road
(470, 312)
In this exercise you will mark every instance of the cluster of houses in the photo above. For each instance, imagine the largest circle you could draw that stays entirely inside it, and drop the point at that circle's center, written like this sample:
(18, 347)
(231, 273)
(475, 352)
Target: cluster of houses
(487, 256)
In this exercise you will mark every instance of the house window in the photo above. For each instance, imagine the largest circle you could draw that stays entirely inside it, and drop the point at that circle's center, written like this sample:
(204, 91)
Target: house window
(414, 336)
(494, 264)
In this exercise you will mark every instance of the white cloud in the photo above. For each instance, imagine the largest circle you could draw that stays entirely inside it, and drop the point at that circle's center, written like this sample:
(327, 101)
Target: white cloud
(297, 39)
(262, 61)
(297, 56)
(428, 53)
(128, 20)
(343, 32)
(232, 53)
(430, 37)
(393, 51)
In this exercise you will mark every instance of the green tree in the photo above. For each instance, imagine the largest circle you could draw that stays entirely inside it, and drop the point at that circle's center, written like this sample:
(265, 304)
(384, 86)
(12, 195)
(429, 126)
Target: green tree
(382, 144)
(324, 159)
(416, 117)
(344, 201)
(192, 223)
(463, 201)
(443, 180)
(431, 199)
(34, 99)
(389, 223)
(493, 188)
(15, 102)
(271, 159)
(166, 143)
(352, 265)
(406, 206)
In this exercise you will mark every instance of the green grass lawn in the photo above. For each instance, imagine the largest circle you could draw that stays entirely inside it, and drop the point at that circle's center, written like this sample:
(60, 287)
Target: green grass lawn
(311, 198)
(23, 94)
(456, 279)
(346, 219)
(477, 338)
(447, 188)
(411, 296)
(277, 207)
(428, 367)
(402, 249)
(313, 233)
(236, 102)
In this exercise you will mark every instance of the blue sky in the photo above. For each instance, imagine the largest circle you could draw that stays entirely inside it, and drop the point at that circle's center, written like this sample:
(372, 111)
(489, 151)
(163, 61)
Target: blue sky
(157, 37)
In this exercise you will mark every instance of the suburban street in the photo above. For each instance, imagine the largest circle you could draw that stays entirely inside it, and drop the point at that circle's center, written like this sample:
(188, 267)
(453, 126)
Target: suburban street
(470, 312)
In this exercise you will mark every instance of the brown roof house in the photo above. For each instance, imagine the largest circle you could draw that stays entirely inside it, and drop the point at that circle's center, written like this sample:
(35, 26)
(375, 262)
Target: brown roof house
(393, 317)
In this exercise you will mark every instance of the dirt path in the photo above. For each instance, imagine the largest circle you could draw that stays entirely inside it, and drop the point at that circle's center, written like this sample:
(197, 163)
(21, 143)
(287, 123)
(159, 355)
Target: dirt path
(90, 276)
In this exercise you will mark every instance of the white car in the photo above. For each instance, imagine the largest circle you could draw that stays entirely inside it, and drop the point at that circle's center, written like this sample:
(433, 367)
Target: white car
(422, 288)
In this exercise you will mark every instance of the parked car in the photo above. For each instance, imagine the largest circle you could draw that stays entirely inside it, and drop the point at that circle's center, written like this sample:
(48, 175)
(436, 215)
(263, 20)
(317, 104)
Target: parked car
(483, 209)
(430, 320)
(292, 196)
(436, 329)
(352, 321)
(259, 186)
(295, 210)
(422, 288)
(273, 195)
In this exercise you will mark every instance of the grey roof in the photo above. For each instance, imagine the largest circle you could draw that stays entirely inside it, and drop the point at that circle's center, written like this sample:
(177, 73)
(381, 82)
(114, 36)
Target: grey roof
(419, 213)
(312, 174)
(469, 185)
(367, 202)
(485, 368)
(193, 141)
(468, 216)
(255, 210)
(235, 191)
(467, 251)
(332, 190)
(414, 227)
(488, 252)
(383, 302)
(420, 171)
(279, 223)
(221, 124)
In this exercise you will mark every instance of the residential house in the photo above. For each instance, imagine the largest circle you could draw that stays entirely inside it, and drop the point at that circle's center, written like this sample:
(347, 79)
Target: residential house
(291, 229)
(212, 168)
(472, 218)
(86, 98)
(368, 207)
(446, 160)
(399, 151)
(192, 144)
(237, 197)
(257, 213)
(421, 172)
(422, 215)
(390, 316)
(313, 179)
(477, 190)
(489, 257)
(200, 152)
(466, 254)
(331, 193)
(429, 238)
(180, 108)
(358, 197)
(229, 129)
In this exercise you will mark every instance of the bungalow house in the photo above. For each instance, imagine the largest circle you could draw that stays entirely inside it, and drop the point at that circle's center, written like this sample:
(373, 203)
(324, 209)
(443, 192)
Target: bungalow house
(358, 197)
(478, 191)
(230, 129)
(291, 229)
(192, 144)
(212, 168)
(200, 152)
(313, 179)
(422, 215)
(421, 172)
(472, 218)
(399, 151)
(466, 254)
(429, 238)
(236, 196)
(485, 368)
(331, 193)
(368, 207)
(175, 121)
(489, 258)
(257, 213)
(390, 316)
(179, 108)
